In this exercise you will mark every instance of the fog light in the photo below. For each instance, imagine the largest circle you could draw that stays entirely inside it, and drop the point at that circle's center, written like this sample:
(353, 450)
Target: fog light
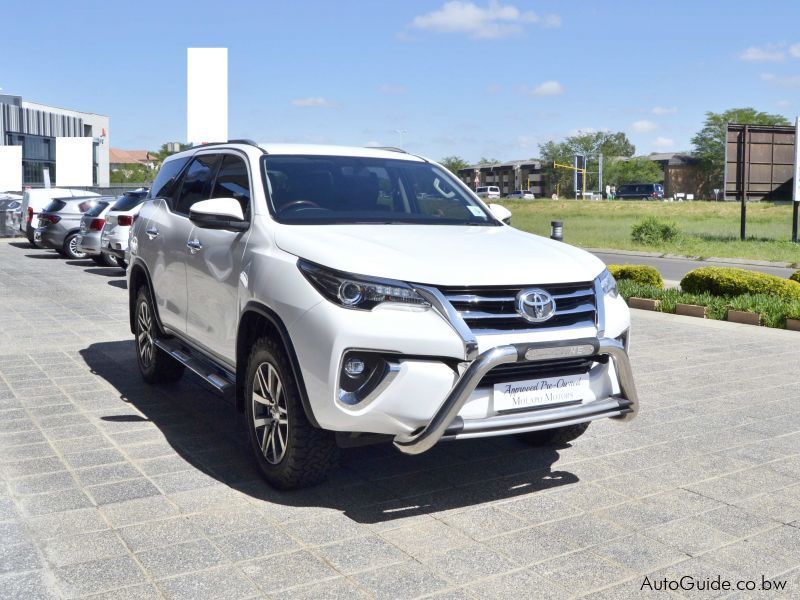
(354, 367)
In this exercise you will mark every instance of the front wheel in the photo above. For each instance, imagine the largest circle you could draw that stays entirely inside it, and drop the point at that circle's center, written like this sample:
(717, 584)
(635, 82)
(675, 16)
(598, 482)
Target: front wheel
(155, 365)
(290, 452)
(71, 248)
(555, 437)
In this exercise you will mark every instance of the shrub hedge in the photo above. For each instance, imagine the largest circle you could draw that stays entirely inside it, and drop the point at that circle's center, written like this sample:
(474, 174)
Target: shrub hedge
(638, 273)
(795, 276)
(652, 231)
(729, 281)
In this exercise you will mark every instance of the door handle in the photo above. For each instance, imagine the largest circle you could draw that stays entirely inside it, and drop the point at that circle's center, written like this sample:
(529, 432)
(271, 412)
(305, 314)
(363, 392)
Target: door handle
(151, 232)
(194, 246)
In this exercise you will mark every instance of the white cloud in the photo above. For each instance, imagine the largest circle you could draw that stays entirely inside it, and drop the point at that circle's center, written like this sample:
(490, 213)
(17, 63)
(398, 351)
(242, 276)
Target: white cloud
(374, 144)
(768, 53)
(494, 88)
(794, 50)
(314, 101)
(644, 126)
(547, 88)
(664, 110)
(495, 20)
(783, 103)
(663, 143)
(391, 89)
(787, 80)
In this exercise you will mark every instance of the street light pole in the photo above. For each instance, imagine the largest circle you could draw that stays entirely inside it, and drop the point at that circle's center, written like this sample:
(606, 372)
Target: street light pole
(402, 133)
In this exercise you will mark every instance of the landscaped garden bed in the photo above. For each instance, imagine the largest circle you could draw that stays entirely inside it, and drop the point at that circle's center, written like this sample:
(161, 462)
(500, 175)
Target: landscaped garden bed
(716, 293)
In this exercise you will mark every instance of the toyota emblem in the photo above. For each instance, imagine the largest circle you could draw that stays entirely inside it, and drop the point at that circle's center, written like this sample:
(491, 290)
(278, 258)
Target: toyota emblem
(535, 305)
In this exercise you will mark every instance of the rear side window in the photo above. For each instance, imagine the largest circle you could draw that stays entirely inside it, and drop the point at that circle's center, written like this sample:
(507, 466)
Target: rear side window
(55, 206)
(196, 183)
(129, 201)
(233, 181)
(164, 184)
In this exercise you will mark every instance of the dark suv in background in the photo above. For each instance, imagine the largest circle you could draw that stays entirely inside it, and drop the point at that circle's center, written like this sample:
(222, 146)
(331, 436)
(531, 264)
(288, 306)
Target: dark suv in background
(640, 191)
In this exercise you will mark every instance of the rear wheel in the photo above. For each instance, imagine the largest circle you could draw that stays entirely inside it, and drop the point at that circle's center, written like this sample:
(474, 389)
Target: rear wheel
(104, 260)
(155, 365)
(555, 437)
(71, 247)
(290, 452)
(116, 261)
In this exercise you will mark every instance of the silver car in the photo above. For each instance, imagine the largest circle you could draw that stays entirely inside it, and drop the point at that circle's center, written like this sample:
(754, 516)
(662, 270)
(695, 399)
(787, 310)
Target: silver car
(91, 231)
(60, 222)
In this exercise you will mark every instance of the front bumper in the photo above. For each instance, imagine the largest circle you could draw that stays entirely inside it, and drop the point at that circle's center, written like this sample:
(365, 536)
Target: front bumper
(448, 425)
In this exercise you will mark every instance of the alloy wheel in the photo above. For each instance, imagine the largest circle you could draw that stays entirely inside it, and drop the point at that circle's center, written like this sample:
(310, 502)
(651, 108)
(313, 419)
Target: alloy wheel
(74, 248)
(270, 417)
(144, 336)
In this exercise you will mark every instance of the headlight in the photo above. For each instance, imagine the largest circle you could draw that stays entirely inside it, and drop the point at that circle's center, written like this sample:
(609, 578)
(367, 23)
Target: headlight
(357, 291)
(608, 284)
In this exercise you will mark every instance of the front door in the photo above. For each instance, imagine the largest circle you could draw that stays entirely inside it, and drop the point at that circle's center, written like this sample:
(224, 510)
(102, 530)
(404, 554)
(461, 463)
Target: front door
(214, 266)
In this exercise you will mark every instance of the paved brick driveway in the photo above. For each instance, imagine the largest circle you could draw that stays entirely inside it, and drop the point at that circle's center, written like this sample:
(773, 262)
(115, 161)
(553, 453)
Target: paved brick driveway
(112, 488)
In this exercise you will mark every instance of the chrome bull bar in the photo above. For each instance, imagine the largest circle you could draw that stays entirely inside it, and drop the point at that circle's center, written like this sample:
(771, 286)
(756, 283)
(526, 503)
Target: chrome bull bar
(446, 423)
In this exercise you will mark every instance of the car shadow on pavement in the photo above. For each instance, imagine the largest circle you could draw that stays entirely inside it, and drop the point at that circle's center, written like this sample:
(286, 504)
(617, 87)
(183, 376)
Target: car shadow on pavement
(46, 254)
(119, 283)
(23, 245)
(375, 483)
(83, 262)
(106, 271)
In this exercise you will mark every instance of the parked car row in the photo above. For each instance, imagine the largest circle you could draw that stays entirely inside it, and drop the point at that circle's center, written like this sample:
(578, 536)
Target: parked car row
(493, 192)
(80, 224)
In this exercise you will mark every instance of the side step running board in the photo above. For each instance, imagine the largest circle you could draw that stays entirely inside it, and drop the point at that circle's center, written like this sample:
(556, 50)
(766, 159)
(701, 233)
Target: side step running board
(219, 380)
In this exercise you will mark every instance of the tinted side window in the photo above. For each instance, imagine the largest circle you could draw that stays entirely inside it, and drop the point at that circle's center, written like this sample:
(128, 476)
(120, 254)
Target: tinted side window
(233, 181)
(196, 183)
(165, 180)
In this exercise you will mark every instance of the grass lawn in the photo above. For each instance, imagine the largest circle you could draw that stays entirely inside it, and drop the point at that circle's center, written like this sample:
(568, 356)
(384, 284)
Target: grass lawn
(707, 228)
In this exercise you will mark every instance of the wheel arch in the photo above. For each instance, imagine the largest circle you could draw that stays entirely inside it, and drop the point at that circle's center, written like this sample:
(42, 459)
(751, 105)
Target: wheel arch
(258, 320)
(139, 277)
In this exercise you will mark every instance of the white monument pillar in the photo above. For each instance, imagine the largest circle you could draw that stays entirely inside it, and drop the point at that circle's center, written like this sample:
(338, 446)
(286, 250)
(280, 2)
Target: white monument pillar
(206, 95)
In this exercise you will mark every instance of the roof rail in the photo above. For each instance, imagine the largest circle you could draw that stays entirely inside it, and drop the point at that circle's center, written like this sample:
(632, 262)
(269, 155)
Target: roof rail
(388, 148)
(239, 141)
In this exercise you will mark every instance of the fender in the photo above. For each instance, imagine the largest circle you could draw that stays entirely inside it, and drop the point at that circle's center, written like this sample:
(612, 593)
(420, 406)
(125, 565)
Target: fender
(277, 323)
(138, 264)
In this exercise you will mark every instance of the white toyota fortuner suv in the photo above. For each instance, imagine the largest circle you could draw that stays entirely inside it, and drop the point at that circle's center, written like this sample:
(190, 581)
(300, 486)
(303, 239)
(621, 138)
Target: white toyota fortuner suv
(342, 296)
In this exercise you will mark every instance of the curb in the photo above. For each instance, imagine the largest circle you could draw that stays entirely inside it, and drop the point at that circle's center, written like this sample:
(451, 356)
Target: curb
(732, 261)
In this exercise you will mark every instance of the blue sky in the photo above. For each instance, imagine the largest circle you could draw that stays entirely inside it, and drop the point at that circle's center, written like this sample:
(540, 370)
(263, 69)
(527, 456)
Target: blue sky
(472, 78)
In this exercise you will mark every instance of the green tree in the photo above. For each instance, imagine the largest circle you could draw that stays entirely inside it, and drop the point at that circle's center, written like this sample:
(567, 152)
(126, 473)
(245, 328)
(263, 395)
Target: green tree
(609, 144)
(617, 171)
(133, 174)
(454, 163)
(488, 161)
(709, 142)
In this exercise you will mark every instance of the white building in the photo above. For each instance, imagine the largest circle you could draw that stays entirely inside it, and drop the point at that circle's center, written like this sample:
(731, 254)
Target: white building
(36, 126)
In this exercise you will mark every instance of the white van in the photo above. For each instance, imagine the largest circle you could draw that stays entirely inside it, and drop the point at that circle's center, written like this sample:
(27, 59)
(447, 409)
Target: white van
(490, 191)
(34, 201)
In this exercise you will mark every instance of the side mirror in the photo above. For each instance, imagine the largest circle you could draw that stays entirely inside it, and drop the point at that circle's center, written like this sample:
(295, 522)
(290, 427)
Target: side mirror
(218, 213)
(501, 213)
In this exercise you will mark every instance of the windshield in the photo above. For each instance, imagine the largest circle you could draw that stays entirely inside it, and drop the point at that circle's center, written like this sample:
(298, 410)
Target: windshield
(345, 189)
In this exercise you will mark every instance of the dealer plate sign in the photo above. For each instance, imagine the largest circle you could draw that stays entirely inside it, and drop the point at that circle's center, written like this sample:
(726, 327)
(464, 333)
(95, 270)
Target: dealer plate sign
(535, 393)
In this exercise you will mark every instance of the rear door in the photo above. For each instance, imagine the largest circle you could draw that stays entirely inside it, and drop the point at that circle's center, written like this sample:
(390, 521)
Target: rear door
(166, 233)
(214, 265)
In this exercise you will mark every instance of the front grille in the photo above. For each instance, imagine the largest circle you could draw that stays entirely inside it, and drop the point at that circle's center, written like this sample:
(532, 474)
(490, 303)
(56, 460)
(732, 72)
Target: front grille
(493, 309)
(536, 370)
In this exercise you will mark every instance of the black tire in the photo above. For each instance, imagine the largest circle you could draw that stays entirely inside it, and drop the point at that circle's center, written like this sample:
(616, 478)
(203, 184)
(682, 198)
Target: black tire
(555, 437)
(117, 262)
(104, 260)
(155, 365)
(71, 247)
(29, 235)
(276, 415)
